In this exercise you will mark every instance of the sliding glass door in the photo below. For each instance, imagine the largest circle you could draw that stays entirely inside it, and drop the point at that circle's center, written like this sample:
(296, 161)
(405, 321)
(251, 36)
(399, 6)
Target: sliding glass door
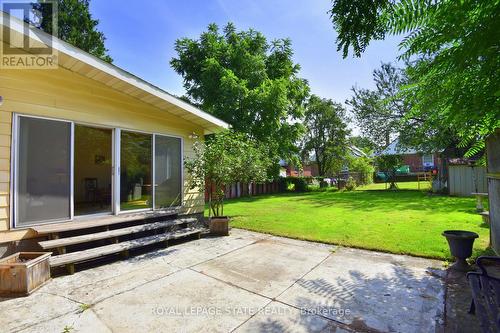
(93, 170)
(43, 178)
(62, 169)
(137, 165)
(168, 171)
(136, 160)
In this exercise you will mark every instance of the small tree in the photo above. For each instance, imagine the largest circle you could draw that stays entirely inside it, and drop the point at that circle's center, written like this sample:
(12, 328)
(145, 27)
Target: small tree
(363, 166)
(390, 164)
(224, 159)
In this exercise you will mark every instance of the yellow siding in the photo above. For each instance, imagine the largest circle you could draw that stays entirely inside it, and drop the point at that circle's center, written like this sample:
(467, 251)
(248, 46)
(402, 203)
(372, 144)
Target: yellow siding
(5, 139)
(62, 94)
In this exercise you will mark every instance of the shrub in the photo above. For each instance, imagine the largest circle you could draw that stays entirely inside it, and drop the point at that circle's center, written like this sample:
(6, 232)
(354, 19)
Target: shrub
(300, 184)
(309, 180)
(350, 184)
(364, 167)
(293, 184)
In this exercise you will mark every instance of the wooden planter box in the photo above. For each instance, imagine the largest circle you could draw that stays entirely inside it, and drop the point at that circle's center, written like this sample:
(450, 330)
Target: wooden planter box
(23, 272)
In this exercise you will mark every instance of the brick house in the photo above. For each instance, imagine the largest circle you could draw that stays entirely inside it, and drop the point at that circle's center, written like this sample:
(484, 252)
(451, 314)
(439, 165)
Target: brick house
(417, 161)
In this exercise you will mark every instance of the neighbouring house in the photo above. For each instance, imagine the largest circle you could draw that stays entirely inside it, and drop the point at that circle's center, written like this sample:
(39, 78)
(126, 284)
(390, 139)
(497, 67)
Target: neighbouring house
(416, 161)
(311, 169)
(89, 140)
(288, 170)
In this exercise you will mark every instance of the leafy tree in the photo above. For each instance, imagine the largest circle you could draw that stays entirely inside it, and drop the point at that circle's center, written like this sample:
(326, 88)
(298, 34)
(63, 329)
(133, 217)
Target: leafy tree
(453, 47)
(384, 114)
(223, 159)
(379, 112)
(363, 143)
(326, 134)
(75, 26)
(390, 164)
(242, 79)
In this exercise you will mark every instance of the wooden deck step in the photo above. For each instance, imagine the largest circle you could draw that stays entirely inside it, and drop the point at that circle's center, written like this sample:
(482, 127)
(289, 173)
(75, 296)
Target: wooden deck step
(76, 257)
(54, 228)
(62, 242)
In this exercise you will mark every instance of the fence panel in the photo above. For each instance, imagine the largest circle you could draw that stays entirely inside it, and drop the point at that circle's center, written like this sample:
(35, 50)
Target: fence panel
(464, 179)
(239, 190)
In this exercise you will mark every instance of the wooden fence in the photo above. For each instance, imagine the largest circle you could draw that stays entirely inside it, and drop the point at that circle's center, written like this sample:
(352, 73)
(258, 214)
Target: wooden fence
(493, 176)
(244, 190)
(464, 180)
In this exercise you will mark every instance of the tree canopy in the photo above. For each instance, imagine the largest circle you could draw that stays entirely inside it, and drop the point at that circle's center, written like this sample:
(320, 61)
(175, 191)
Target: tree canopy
(253, 84)
(326, 135)
(453, 50)
(75, 26)
(364, 143)
(379, 112)
(384, 114)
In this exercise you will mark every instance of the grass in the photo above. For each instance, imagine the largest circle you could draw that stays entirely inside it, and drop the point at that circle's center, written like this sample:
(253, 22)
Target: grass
(406, 221)
(141, 203)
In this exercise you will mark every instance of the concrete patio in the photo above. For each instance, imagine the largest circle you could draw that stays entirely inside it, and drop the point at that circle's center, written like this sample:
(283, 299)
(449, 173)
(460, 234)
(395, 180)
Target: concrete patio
(246, 282)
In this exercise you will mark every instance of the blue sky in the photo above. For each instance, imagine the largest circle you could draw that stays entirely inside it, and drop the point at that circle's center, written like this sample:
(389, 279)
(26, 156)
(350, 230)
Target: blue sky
(141, 36)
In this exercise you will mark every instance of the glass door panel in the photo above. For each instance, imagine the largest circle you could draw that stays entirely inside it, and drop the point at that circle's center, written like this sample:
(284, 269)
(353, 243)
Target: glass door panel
(168, 170)
(43, 175)
(135, 171)
(93, 170)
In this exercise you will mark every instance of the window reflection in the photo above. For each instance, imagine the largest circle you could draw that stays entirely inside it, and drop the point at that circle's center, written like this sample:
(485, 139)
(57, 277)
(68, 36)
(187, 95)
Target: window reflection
(135, 171)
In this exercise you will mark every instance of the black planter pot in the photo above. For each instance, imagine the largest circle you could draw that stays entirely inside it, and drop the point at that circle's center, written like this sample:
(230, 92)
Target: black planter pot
(460, 243)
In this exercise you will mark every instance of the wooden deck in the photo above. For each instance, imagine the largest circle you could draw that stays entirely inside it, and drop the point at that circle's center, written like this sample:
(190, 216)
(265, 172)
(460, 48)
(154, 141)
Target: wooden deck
(95, 237)
(60, 242)
(101, 221)
(97, 252)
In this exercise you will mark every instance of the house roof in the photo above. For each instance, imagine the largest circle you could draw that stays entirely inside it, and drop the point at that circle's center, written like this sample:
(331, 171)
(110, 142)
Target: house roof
(356, 151)
(83, 63)
(394, 149)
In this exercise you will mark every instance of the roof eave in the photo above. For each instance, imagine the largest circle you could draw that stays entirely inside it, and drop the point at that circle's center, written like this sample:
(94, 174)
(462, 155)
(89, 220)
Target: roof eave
(114, 71)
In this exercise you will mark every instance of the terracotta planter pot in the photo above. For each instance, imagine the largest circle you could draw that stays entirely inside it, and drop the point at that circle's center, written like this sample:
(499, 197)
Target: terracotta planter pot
(24, 272)
(460, 243)
(219, 225)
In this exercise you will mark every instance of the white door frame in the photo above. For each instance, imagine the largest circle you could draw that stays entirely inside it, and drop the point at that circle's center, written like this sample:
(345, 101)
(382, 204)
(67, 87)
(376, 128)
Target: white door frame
(115, 170)
(14, 161)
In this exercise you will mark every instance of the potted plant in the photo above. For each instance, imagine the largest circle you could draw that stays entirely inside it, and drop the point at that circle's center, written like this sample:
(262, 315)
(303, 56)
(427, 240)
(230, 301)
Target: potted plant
(223, 159)
(460, 243)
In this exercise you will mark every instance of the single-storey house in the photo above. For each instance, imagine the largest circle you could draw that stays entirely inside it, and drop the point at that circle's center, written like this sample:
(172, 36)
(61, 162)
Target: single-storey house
(417, 161)
(88, 139)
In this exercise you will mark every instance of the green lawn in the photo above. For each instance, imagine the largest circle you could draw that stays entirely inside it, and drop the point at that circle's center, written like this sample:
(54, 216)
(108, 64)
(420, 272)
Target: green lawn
(407, 221)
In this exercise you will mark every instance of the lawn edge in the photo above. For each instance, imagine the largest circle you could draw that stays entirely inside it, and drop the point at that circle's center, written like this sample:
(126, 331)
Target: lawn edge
(343, 245)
